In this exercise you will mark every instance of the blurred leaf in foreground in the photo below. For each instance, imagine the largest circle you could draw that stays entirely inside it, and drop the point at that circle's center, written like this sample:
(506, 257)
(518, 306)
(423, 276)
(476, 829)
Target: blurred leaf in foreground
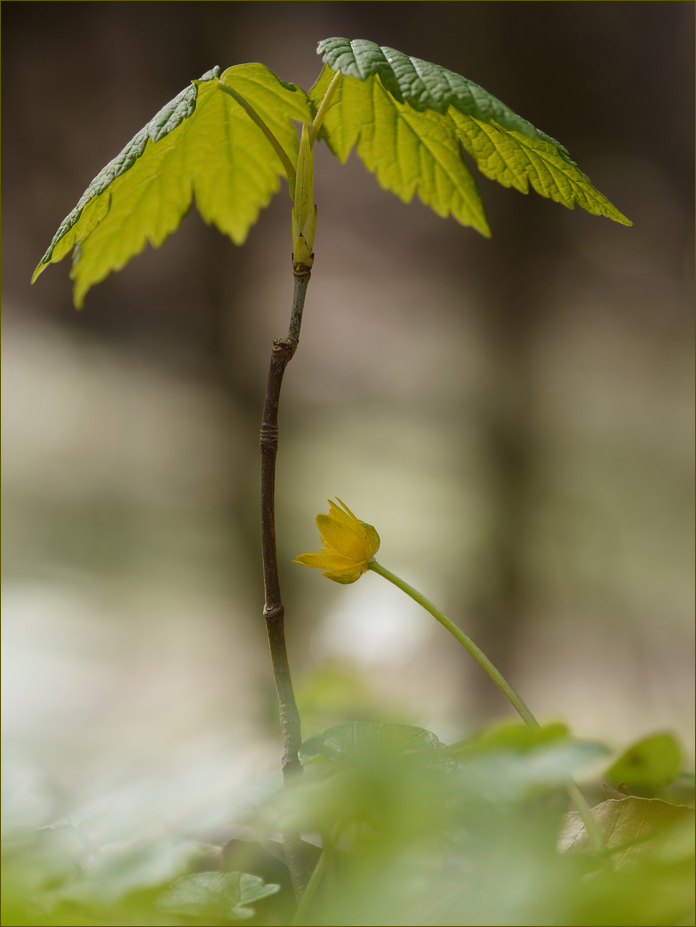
(215, 894)
(359, 741)
(648, 765)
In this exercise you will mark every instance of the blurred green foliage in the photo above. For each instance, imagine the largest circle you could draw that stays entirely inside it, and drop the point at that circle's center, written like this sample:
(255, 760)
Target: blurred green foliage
(413, 833)
(647, 766)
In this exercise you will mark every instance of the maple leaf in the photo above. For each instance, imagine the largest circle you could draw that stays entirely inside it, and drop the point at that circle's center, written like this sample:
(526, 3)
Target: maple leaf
(202, 144)
(407, 118)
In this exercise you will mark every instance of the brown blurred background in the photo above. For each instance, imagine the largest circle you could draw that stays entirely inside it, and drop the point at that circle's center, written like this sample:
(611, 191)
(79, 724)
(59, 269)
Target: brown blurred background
(514, 415)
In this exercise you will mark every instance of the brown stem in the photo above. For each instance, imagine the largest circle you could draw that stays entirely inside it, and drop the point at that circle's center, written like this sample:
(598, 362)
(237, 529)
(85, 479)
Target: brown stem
(281, 354)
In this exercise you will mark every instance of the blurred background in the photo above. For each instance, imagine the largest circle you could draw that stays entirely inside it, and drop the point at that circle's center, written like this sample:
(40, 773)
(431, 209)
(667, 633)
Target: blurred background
(513, 415)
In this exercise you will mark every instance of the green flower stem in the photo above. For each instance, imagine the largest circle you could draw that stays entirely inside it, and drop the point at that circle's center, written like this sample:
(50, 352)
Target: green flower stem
(465, 641)
(576, 796)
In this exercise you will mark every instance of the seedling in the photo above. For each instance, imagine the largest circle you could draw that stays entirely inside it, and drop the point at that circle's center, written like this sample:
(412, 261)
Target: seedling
(225, 141)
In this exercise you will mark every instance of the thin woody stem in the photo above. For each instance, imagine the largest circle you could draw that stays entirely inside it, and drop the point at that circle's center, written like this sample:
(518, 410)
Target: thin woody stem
(281, 354)
(274, 611)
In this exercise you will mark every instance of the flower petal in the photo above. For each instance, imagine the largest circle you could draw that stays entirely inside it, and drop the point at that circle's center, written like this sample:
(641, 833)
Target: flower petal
(326, 561)
(342, 503)
(311, 560)
(346, 537)
(349, 545)
(372, 540)
(347, 576)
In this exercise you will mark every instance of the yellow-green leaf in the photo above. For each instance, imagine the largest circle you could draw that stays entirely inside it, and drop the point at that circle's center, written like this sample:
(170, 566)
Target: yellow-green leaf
(409, 151)
(407, 118)
(648, 765)
(201, 144)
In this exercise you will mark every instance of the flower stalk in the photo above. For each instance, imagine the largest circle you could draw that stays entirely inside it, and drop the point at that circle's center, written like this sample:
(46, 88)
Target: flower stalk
(465, 641)
(574, 793)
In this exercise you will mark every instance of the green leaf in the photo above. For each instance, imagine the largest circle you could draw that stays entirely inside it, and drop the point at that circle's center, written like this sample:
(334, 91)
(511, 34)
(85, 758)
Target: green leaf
(215, 894)
(408, 151)
(356, 741)
(509, 735)
(201, 144)
(648, 765)
(514, 773)
(630, 826)
(407, 118)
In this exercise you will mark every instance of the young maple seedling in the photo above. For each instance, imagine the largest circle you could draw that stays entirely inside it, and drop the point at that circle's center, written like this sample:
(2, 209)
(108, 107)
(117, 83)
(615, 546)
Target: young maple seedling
(228, 138)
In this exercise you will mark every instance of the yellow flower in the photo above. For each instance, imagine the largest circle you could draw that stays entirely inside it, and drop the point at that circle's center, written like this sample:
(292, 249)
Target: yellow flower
(349, 545)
